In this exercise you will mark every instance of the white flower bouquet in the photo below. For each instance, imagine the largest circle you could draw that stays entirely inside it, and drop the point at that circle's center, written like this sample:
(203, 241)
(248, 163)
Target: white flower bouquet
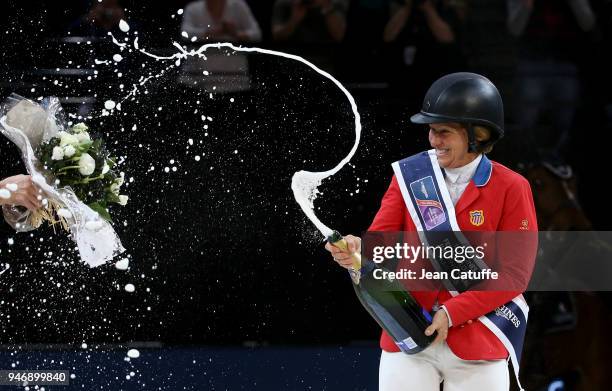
(76, 160)
(75, 173)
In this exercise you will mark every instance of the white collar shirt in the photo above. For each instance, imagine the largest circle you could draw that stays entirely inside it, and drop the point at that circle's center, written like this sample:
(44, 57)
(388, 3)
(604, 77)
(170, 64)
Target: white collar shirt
(457, 179)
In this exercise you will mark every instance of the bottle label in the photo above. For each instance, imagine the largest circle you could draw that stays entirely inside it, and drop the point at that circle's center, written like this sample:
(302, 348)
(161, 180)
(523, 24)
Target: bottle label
(407, 344)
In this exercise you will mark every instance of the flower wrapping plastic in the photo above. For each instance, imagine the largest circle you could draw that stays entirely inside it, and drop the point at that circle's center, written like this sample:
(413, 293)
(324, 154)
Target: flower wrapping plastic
(27, 124)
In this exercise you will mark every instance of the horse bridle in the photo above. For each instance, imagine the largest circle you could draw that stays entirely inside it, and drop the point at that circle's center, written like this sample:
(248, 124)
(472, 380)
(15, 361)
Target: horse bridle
(564, 172)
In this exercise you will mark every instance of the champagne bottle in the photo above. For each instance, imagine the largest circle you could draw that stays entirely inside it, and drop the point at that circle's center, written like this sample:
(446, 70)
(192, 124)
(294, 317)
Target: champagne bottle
(388, 302)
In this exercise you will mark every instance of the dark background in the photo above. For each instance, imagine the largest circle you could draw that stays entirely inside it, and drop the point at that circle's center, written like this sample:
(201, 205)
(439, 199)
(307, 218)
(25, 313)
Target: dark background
(225, 252)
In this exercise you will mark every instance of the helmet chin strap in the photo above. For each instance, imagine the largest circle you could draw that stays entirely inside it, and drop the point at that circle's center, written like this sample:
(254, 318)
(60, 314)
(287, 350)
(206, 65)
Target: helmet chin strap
(472, 143)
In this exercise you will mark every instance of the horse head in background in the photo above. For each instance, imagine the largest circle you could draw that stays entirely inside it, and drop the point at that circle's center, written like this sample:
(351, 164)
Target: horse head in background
(555, 197)
(553, 183)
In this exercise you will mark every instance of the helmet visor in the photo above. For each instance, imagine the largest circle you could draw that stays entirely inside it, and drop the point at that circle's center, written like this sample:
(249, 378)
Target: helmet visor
(422, 118)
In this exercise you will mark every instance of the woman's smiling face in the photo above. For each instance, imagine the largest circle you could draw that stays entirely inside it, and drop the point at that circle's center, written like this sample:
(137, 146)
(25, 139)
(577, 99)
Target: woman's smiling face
(450, 141)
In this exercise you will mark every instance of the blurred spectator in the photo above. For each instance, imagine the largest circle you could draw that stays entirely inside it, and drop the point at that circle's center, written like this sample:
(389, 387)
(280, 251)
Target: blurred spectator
(102, 17)
(553, 37)
(375, 13)
(221, 71)
(366, 20)
(309, 21)
(221, 20)
(426, 40)
(429, 21)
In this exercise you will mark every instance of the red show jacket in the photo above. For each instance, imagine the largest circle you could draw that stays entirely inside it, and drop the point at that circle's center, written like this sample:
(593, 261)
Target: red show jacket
(506, 202)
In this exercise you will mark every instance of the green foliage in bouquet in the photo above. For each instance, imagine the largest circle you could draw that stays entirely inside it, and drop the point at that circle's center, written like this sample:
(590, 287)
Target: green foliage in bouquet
(77, 161)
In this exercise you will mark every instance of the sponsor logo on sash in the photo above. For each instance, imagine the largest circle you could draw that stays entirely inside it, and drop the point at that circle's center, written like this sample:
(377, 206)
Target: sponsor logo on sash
(428, 202)
(477, 217)
(505, 312)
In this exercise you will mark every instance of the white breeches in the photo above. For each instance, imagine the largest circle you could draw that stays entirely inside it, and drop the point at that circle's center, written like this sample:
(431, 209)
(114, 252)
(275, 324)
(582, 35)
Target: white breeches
(425, 371)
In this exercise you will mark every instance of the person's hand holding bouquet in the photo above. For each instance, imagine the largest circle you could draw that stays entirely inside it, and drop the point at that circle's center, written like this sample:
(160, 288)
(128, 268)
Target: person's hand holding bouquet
(20, 190)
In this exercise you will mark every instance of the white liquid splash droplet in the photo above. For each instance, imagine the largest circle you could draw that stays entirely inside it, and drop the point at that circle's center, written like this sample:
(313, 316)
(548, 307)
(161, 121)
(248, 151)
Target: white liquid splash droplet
(122, 264)
(6, 267)
(65, 213)
(133, 353)
(123, 26)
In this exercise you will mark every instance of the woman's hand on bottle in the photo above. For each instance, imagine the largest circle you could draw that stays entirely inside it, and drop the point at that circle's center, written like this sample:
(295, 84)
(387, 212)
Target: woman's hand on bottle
(20, 191)
(345, 258)
(439, 323)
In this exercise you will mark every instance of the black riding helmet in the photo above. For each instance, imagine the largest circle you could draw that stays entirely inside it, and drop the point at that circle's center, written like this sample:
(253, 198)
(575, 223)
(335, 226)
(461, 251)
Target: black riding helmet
(467, 98)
